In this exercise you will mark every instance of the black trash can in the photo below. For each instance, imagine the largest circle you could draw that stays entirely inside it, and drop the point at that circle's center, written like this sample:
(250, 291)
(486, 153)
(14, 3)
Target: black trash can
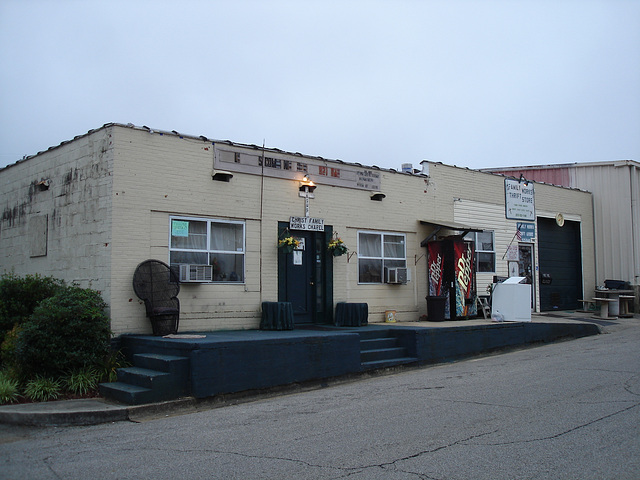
(435, 308)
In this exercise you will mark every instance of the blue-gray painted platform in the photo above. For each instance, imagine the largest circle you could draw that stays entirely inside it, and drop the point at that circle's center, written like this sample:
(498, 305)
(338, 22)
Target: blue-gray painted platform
(236, 361)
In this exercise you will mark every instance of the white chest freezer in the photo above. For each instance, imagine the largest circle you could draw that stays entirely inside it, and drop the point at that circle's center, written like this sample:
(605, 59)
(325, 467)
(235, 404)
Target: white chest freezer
(511, 300)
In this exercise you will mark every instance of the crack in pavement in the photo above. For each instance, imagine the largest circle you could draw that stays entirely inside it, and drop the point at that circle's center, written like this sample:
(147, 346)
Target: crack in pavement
(437, 449)
(349, 470)
(46, 462)
(392, 465)
(271, 457)
(472, 402)
(628, 385)
(345, 471)
(571, 430)
(463, 442)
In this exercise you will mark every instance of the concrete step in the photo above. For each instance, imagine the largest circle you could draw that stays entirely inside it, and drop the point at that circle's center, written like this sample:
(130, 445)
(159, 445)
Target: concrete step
(374, 343)
(373, 365)
(126, 393)
(143, 377)
(366, 334)
(162, 363)
(382, 354)
(153, 378)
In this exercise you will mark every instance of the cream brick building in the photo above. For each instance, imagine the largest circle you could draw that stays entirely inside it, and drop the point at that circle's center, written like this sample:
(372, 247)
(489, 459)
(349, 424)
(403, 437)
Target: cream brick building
(91, 209)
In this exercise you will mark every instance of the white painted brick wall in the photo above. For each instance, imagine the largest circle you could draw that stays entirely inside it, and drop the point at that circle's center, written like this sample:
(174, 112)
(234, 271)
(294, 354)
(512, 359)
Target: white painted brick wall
(163, 175)
(128, 182)
(78, 206)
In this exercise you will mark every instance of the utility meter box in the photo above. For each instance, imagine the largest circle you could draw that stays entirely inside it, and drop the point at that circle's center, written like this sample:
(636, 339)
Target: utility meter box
(511, 300)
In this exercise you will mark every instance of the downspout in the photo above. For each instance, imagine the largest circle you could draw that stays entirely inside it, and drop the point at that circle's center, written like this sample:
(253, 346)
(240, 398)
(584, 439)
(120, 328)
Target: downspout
(595, 243)
(261, 218)
(634, 226)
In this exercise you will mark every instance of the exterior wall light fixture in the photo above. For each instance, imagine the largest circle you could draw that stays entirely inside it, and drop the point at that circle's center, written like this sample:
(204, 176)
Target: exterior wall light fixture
(44, 184)
(221, 175)
(306, 191)
(306, 185)
(523, 180)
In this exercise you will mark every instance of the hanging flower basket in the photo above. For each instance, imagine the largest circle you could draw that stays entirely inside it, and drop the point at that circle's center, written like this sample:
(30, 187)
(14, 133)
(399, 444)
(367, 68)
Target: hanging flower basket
(288, 244)
(337, 247)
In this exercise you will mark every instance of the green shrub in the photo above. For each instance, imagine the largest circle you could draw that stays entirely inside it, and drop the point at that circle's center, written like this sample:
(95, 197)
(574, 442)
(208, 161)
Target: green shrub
(42, 389)
(19, 296)
(82, 381)
(8, 389)
(66, 332)
(8, 348)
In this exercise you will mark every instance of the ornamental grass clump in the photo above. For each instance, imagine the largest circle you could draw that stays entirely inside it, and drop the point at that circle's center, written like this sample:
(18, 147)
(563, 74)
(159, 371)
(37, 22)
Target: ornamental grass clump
(43, 389)
(82, 381)
(9, 392)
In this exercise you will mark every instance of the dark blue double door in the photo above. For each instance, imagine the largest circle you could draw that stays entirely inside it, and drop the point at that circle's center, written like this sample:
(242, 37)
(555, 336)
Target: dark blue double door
(305, 276)
(559, 250)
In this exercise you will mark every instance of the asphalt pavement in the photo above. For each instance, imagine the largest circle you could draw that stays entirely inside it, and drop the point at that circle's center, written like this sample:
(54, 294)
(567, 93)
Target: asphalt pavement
(98, 410)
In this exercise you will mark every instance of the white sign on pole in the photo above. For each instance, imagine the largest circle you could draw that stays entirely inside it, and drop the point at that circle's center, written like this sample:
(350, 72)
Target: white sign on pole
(519, 200)
(306, 223)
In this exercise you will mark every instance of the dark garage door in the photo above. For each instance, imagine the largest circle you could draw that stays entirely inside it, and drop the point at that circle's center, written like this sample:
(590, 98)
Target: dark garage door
(560, 260)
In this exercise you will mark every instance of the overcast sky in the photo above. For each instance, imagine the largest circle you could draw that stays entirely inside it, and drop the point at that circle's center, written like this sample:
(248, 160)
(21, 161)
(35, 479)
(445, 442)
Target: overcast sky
(470, 83)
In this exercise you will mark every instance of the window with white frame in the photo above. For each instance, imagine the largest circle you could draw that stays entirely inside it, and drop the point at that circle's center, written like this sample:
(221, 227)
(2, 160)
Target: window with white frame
(485, 250)
(200, 241)
(377, 251)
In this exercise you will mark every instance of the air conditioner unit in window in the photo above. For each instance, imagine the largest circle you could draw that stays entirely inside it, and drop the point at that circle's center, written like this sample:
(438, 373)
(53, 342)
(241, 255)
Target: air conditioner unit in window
(397, 275)
(196, 273)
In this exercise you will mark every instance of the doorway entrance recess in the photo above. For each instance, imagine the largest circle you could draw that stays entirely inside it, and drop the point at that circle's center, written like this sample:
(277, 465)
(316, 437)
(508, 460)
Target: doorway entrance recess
(305, 276)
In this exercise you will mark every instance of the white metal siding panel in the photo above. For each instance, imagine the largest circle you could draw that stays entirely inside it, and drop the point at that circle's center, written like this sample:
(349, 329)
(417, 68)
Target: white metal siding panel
(457, 183)
(614, 236)
(489, 217)
(634, 181)
(615, 186)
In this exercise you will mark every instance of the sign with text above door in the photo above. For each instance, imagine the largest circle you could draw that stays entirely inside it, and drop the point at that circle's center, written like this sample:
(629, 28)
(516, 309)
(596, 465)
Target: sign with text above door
(306, 223)
(526, 231)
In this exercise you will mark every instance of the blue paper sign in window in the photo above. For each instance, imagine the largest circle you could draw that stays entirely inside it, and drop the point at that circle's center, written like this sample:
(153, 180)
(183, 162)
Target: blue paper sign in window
(179, 228)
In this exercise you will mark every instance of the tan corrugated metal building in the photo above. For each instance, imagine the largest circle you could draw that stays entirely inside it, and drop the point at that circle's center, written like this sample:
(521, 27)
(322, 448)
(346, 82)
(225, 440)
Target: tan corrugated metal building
(616, 198)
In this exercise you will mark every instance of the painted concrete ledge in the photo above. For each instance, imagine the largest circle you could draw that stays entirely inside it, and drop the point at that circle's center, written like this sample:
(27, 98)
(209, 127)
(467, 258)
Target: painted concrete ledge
(234, 361)
(427, 344)
(229, 362)
(435, 345)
